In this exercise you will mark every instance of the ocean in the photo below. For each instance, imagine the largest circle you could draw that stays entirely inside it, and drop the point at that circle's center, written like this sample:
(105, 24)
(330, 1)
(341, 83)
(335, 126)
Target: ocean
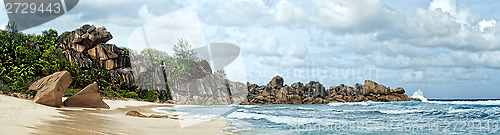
(410, 117)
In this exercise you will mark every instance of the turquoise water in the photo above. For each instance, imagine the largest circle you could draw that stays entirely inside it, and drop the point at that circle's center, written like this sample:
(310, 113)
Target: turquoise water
(433, 117)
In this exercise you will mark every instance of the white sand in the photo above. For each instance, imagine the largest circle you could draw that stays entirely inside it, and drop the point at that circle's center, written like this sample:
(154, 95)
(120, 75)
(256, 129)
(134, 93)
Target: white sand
(18, 116)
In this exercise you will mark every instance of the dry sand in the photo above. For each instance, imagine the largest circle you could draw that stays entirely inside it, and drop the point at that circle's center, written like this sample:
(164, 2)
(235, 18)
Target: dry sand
(19, 116)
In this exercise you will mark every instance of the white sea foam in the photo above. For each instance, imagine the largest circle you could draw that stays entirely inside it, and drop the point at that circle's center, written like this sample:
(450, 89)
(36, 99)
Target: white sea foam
(402, 111)
(419, 94)
(248, 106)
(460, 110)
(182, 106)
(490, 102)
(304, 108)
(275, 119)
(350, 103)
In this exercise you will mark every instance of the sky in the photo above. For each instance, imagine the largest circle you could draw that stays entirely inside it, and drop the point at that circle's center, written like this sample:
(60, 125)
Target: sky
(446, 48)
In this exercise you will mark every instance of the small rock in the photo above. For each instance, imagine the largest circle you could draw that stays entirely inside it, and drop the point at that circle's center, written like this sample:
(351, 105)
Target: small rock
(135, 113)
(158, 116)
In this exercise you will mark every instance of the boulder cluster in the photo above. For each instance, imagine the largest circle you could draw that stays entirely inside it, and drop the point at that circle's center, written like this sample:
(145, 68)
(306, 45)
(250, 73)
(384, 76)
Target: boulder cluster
(50, 90)
(86, 47)
(276, 92)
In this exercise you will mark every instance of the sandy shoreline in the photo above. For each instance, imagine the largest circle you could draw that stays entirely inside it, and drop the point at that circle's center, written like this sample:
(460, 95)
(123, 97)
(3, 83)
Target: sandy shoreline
(19, 116)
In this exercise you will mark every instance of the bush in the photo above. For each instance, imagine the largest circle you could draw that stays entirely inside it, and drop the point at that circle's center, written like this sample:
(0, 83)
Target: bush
(131, 95)
(71, 92)
(150, 95)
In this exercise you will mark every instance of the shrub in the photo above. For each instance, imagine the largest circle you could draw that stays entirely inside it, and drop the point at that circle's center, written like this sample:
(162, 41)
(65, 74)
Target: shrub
(71, 92)
(131, 95)
(150, 95)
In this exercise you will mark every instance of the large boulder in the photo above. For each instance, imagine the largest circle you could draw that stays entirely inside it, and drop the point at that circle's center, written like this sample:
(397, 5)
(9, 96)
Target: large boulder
(50, 89)
(381, 89)
(398, 91)
(294, 99)
(88, 97)
(276, 82)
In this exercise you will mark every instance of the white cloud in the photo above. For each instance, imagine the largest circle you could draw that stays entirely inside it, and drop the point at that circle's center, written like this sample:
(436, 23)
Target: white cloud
(448, 6)
(351, 16)
(483, 24)
(144, 13)
(411, 76)
(486, 59)
(296, 55)
(286, 12)
(268, 46)
(442, 25)
(164, 31)
(234, 12)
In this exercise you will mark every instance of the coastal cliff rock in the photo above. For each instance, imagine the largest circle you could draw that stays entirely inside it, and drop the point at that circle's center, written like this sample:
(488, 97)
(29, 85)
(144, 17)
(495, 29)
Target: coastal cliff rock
(315, 93)
(146, 74)
(88, 97)
(86, 47)
(51, 88)
(205, 88)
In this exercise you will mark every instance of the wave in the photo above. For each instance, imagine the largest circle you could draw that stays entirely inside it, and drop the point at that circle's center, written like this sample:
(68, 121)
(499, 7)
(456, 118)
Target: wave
(351, 103)
(419, 94)
(477, 103)
(304, 108)
(403, 111)
(275, 119)
(248, 106)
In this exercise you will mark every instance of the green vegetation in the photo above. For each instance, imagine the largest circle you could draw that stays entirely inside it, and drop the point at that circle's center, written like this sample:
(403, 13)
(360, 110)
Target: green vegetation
(23, 62)
(184, 61)
(156, 56)
(71, 92)
(25, 58)
(182, 65)
(131, 95)
(222, 72)
(150, 95)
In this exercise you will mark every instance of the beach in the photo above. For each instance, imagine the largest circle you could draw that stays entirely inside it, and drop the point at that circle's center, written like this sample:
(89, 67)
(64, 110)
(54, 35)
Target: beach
(20, 116)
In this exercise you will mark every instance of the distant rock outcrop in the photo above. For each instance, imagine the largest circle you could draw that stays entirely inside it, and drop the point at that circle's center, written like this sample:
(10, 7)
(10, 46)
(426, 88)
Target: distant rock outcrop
(315, 93)
(204, 88)
(50, 89)
(88, 97)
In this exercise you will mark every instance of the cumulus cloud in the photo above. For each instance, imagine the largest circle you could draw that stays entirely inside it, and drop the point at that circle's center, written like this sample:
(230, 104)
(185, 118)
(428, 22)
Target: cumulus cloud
(483, 24)
(411, 76)
(268, 46)
(488, 59)
(296, 55)
(442, 25)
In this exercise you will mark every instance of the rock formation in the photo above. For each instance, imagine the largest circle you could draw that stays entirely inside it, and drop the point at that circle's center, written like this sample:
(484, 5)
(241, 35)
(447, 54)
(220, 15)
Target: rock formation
(315, 93)
(204, 88)
(147, 75)
(86, 47)
(88, 97)
(50, 89)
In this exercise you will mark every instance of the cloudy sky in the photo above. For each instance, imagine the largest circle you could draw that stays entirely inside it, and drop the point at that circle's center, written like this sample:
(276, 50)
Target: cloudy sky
(446, 48)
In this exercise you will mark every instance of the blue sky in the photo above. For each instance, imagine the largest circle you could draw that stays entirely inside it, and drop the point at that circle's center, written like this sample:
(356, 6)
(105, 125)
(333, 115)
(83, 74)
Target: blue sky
(448, 49)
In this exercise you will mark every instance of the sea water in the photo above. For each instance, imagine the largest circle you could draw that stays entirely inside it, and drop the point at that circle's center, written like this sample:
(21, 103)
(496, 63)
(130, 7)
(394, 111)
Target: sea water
(409, 117)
